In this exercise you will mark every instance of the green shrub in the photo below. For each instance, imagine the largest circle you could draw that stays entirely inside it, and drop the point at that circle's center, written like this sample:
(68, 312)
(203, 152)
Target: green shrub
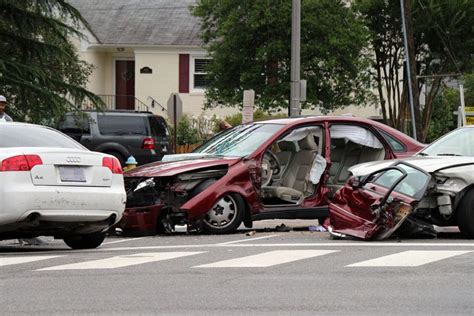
(186, 134)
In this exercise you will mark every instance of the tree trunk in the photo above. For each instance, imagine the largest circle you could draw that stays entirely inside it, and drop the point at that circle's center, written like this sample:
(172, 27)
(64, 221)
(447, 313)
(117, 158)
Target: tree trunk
(380, 90)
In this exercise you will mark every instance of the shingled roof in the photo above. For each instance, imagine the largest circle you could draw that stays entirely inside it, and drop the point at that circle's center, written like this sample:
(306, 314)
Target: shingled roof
(141, 22)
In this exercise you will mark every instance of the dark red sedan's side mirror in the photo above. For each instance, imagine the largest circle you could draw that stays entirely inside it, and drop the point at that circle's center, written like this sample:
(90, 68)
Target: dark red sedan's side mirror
(355, 182)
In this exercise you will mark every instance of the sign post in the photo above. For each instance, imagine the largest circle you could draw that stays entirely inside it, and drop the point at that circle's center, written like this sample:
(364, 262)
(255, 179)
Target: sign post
(463, 106)
(175, 112)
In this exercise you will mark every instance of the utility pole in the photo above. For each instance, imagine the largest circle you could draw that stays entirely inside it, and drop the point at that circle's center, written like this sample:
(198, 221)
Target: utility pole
(295, 90)
(405, 7)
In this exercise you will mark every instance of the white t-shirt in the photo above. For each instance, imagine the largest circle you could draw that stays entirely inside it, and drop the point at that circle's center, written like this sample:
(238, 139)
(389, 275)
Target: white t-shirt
(2, 118)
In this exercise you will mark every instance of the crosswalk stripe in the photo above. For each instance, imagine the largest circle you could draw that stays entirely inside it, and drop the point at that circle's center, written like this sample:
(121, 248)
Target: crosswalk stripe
(267, 259)
(410, 258)
(122, 261)
(22, 259)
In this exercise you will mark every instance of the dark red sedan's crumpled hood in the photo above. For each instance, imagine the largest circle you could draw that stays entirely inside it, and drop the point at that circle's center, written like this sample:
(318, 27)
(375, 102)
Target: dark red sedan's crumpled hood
(167, 169)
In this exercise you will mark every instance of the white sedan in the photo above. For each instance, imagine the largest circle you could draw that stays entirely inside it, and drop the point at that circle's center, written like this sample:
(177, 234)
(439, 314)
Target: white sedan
(50, 185)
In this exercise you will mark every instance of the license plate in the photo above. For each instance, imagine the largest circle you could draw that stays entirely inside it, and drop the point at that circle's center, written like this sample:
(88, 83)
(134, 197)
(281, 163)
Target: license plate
(72, 174)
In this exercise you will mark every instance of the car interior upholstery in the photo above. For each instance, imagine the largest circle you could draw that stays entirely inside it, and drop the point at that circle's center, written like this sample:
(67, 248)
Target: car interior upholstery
(345, 154)
(287, 151)
(293, 181)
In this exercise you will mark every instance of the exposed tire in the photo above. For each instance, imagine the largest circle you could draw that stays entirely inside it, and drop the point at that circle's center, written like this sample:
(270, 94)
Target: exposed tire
(465, 215)
(225, 216)
(89, 241)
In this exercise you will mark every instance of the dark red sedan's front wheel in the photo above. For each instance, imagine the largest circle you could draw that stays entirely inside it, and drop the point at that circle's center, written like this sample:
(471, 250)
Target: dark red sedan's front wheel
(225, 216)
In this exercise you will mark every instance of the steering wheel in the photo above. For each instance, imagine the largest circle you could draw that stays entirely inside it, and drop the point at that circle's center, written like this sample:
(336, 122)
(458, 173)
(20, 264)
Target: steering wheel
(270, 167)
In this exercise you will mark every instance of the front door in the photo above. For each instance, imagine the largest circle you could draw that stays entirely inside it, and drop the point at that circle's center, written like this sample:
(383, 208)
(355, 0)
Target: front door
(125, 84)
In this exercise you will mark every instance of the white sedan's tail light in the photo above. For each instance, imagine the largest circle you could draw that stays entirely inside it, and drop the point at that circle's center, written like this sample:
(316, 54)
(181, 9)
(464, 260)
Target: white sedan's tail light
(113, 164)
(20, 163)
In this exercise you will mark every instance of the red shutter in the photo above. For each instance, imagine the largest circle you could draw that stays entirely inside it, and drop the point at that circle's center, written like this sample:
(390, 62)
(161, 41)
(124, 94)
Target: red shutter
(184, 73)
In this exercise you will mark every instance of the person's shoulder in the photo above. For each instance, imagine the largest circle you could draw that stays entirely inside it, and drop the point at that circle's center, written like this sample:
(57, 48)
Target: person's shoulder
(8, 117)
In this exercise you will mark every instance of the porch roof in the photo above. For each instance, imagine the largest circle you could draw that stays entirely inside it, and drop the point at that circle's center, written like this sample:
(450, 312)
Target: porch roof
(141, 22)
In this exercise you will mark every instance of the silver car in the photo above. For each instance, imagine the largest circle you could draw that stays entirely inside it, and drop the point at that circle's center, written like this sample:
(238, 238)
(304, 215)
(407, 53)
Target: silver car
(50, 185)
(409, 196)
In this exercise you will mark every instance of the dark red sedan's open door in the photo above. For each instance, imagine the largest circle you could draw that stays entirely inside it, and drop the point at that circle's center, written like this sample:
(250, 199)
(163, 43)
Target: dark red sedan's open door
(374, 206)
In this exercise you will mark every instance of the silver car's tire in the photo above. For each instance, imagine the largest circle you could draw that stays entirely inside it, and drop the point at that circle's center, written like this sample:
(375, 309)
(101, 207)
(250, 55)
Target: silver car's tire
(225, 216)
(88, 241)
(465, 216)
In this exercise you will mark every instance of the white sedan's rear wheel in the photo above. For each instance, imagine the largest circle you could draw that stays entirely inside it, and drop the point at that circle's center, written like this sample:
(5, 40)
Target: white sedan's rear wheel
(225, 216)
(88, 241)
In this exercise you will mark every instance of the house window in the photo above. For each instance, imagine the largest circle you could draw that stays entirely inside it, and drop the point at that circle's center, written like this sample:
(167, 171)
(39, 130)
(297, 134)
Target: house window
(199, 75)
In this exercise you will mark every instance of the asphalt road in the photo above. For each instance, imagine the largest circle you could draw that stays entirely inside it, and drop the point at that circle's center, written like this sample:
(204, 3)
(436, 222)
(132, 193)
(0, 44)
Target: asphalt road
(269, 272)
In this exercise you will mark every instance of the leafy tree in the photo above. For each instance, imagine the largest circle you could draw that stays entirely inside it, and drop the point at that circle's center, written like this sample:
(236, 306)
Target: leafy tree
(250, 43)
(448, 101)
(443, 120)
(40, 72)
(444, 42)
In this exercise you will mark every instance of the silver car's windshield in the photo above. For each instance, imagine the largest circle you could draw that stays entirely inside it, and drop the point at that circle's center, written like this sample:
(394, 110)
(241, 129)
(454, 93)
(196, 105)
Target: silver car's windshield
(239, 141)
(457, 143)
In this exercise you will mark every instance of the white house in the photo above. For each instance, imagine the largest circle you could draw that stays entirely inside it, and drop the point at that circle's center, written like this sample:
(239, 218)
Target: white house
(144, 50)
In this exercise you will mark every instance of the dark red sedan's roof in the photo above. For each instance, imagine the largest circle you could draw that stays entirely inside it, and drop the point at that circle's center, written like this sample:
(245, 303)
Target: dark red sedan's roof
(412, 144)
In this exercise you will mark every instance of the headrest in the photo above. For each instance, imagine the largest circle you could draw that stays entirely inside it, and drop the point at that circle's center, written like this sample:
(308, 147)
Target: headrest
(308, 143)
(287, 146)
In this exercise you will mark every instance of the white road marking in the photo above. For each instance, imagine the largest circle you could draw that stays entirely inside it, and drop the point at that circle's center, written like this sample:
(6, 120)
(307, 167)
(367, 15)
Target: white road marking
(121, 261)
(6, 261)
(267, 259)
(248, 239)
(121, 240)
(297, 245)
(411, 258)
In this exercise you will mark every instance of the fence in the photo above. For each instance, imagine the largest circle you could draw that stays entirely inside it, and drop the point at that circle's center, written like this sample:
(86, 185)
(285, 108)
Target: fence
(187, 148)
(117, 102)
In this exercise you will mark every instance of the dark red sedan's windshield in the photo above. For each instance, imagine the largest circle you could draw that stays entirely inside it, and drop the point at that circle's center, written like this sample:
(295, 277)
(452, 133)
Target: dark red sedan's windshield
(239, 141)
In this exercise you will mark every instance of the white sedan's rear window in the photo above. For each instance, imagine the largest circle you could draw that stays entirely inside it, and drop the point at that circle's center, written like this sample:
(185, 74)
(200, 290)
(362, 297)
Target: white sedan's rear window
(20, 135)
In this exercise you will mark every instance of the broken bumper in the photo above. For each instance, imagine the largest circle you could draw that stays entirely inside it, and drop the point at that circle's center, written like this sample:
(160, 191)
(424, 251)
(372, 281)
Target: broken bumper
(140, 220)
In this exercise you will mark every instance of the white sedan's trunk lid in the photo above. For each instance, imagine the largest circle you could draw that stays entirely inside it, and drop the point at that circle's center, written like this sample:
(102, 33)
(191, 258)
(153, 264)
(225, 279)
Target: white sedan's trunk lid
(68, 167)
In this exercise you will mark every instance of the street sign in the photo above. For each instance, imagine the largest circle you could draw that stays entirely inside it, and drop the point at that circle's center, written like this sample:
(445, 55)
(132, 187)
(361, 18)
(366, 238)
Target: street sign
(469, 115)
(249, 105)
(174, 107)
(303, 84)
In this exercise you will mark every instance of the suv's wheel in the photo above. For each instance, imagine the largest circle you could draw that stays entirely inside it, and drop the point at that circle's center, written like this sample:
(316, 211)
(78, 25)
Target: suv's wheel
(89, 241)
(225, 216)
(465, 216)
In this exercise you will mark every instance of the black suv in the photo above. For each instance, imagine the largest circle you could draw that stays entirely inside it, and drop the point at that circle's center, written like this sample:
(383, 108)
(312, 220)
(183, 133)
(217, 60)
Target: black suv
(120, 133)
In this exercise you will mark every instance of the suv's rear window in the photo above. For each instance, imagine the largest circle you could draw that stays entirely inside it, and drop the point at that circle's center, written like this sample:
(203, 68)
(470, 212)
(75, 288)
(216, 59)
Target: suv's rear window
(75, 124)
(122, 125)
(158, 126)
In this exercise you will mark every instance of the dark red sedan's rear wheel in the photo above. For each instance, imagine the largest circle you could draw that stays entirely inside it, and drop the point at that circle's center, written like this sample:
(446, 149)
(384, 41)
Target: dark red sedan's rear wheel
(225, 216)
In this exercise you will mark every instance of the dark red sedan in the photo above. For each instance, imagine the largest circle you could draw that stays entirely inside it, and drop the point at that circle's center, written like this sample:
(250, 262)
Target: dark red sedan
(285, 168)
